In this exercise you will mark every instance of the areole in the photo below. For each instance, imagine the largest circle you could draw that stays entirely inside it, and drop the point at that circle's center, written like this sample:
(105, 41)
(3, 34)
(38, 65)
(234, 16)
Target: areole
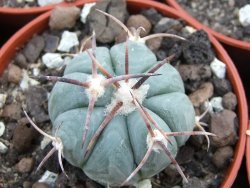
(41, 23)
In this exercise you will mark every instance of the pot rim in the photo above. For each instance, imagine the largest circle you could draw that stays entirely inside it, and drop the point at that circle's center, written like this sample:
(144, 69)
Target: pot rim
(221, 37)
(248, 154)
(39, 24)
(38, 9)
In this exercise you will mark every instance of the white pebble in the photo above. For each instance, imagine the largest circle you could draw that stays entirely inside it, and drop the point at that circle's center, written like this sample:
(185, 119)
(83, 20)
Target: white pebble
(3, 148)
(85, 11)
(35, 71)
(2, 128)
(49, 178)
(218, 68)
(216, 103)
(52, 60)
(47, 2)
(2, 99)
(190, 29)
(27, 81)
(207, 105)
(244, 15)
(68, 40)
(146, 183)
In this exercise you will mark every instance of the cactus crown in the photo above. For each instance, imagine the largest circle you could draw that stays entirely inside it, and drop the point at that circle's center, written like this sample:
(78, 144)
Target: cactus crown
(130, 91)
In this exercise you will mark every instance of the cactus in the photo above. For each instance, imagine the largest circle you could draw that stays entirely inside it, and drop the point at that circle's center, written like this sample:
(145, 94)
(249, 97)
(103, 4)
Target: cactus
(119, 114)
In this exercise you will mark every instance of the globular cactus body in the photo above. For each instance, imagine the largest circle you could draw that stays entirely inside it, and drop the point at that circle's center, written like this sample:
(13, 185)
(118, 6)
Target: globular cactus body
(123, 144)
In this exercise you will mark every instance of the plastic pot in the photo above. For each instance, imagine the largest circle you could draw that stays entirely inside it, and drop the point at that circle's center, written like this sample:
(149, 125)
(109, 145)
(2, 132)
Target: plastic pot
(12, 19)
(238, 50)
(16, 17)
(222, 38)
(248, 154)
(41, 23)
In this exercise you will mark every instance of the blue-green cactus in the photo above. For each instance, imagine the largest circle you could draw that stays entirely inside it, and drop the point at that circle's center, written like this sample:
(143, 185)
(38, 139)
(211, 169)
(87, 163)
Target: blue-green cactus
(119, 129)
(123, 144)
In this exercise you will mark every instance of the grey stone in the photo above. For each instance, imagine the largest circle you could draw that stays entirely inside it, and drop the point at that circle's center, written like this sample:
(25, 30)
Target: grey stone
(33, 49)
(105, 28)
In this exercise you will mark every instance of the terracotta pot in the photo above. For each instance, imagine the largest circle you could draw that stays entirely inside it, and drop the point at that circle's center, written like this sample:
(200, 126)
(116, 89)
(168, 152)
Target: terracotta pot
(222, 38)
(41, 23)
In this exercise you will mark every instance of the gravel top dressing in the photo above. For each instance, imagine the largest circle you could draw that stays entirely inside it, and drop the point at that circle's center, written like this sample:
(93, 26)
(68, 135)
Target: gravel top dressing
(22, 148)
(231, 18)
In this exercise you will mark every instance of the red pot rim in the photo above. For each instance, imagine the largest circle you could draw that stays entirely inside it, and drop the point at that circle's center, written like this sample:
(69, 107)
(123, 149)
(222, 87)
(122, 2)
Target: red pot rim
(221, 37)
(248, 153)
(40, 23)
(37, 10)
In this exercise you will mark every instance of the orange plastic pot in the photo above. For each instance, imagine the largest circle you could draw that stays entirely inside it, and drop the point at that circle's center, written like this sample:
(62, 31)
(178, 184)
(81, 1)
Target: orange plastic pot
(41, 23)
(248, 154)
(222, 38)
(16, 17)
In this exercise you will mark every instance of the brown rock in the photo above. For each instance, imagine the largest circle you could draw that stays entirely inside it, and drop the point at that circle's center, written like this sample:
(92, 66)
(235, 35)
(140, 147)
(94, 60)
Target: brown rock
(33, 49)
(12, 111)
(27, 184)
(23, 136)
(229, 101)
(223, 126)
(25, 165)
(154, 43)
(222, 156)
(122, 37)
(14, 74)
(63, 17)
(40, 185)
(204, 92)
(194, 72)
(136, 21)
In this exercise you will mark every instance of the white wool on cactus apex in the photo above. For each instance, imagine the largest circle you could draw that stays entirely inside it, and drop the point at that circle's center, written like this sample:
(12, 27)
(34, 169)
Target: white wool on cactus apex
(68, 40)
(85, 11)
(218, 68)
(123, 94)
(244, 15)
(42, 3)
(52, 60)
(216, 103)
